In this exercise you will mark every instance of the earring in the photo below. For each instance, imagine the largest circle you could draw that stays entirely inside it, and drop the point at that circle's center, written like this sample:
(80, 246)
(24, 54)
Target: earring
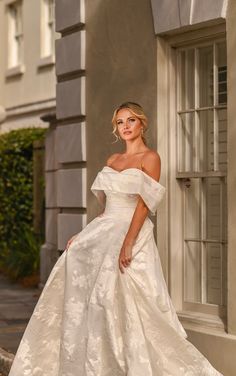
(142, 131)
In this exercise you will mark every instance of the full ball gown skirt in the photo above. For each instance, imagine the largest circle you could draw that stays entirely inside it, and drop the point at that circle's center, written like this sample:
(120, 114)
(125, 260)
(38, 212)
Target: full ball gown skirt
(92, 320)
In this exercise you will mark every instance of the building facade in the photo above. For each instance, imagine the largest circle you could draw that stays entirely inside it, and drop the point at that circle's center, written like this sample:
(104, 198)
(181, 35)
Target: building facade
(27, 63)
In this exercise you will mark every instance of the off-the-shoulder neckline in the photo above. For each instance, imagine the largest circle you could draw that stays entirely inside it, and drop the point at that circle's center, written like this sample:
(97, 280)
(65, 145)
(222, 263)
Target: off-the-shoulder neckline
(133, 168)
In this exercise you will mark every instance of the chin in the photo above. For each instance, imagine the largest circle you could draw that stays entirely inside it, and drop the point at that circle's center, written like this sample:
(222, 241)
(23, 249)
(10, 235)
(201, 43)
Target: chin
(128, 136)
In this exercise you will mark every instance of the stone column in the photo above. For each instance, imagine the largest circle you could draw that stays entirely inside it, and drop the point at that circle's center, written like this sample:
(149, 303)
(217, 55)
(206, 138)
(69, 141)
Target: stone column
(65, 166)
(70, 133)
(49, 254)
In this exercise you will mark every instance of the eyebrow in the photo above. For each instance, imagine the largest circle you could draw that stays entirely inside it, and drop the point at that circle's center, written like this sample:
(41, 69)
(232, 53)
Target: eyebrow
(128, 118)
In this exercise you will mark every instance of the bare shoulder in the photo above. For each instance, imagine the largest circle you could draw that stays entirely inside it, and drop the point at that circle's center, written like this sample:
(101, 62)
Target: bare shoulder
(111, 159)
(151, 156)
(152, 164)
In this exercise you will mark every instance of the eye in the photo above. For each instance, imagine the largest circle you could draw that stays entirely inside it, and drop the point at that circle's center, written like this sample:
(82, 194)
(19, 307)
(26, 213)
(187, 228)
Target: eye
(132, 119)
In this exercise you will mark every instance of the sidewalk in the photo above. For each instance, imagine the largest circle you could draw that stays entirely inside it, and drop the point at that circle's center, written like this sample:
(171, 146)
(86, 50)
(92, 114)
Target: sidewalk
(16, 306)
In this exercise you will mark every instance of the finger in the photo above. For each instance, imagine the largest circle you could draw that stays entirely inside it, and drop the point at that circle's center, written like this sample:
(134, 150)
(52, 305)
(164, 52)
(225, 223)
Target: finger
(69, 242)
(127, 260)
(127, 256)
(125, 263)
(121, 269)
(120, 266)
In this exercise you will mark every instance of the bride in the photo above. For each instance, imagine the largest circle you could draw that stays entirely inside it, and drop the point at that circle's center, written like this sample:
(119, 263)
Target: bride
(105, 309)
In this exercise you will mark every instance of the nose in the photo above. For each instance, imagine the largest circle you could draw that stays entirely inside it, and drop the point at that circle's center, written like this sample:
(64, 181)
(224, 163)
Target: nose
(127, 124)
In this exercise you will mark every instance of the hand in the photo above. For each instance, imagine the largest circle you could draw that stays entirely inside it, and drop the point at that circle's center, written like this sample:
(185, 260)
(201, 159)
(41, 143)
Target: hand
(69, 242)
(125, 255)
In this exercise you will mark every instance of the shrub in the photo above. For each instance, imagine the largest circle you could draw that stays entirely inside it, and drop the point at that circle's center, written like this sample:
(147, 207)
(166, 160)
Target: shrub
(19, 245)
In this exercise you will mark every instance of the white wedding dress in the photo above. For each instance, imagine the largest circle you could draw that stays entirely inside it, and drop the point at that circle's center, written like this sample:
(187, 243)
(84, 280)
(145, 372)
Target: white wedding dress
(93, 320)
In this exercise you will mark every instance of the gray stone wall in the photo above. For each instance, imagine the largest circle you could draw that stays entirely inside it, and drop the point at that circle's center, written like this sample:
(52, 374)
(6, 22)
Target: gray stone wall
(178, 15)
(70, 137)
(66, 138)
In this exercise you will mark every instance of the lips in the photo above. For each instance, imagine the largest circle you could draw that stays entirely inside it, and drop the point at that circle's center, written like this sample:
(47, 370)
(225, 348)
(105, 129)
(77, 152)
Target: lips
(127, 132)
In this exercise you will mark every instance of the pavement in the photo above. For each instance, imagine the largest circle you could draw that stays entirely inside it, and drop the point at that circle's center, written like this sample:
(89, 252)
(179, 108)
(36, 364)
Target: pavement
(16, 307)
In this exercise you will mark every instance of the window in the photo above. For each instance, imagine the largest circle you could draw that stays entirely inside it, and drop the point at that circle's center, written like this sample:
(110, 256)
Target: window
(202, 170)
(48, 28)
(15, 34)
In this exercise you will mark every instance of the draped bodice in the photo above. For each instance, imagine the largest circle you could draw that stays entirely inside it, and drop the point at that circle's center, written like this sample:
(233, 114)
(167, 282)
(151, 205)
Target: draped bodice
(120, 203)
(120, 190)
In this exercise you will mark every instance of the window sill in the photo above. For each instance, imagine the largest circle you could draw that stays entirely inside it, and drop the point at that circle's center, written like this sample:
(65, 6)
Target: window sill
(197, 321)
(46, 61)
(15, 71)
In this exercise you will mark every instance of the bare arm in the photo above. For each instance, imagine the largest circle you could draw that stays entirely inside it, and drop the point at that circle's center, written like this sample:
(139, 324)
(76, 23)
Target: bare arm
(152, 166)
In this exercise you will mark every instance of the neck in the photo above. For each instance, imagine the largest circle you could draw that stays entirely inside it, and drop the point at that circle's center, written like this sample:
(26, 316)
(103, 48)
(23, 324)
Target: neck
(135, 147)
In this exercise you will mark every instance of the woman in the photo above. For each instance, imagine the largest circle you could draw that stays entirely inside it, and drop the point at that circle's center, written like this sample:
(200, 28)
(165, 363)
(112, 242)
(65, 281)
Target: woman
(105, 309)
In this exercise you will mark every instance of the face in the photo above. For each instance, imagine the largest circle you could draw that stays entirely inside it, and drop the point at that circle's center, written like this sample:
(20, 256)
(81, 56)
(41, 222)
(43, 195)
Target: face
(128, 125)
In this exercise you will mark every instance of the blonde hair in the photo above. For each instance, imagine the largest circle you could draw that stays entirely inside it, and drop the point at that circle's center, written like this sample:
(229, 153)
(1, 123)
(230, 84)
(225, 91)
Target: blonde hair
(136, 110)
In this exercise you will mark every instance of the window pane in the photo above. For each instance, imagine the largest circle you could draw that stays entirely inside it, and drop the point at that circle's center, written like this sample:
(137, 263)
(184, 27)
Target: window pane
(193, 210)
(206, 135)
(47, 47)
(187, 80)
(182, 81)
(224, 209)
(222, 73)
(213, 209)
(18, 19)
(15, 37)
(186, 141)
(51, 10)
(214, 274)
(222, 121)
(192, 272)
(224, 274)
(206, 76)
(216, 209)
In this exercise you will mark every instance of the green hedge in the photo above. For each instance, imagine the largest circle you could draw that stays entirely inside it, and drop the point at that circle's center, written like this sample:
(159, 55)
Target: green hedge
(19, 245)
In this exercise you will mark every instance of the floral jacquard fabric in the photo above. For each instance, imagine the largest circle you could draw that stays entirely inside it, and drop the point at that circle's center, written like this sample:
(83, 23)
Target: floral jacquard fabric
(92, 320)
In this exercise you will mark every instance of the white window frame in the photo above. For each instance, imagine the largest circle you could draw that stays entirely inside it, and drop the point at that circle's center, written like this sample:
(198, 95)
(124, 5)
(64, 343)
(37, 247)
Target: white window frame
(171, 245)
(15, 39)
(47, 33)
(192, 306)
